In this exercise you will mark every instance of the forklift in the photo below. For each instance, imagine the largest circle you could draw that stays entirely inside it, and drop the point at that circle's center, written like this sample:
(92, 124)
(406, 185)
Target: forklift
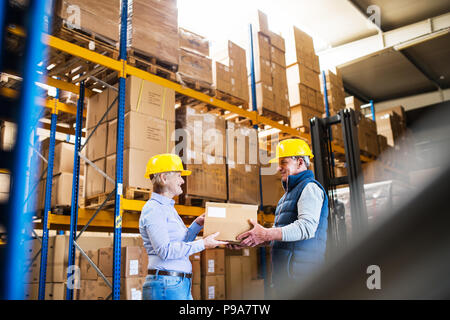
(324, 163)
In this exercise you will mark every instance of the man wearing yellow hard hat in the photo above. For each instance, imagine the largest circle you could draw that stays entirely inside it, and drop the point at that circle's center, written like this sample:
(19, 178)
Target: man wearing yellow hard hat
(167, 240)
(299, 234)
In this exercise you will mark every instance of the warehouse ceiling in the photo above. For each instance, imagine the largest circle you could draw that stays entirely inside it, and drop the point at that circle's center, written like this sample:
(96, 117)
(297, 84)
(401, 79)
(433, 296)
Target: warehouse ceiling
(391, 74)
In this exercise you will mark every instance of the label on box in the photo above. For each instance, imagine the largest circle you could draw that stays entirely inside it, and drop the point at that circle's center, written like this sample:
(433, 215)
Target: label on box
(211, 266)
(134, 267)
(211, 293)
(246, 252)
(215, 212)
(136, 294)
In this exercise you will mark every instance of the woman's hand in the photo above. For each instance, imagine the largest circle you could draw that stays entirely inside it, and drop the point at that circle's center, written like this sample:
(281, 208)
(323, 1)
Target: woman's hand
(200, 220)
(211, 242)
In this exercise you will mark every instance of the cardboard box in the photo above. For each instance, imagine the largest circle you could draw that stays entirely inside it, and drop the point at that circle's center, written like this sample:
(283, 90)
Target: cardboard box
(196, 268)
(155, 29)
(131, 288)
(96, 108)
(222, 77)
(88, 16)
(298, 94)
(298, 73)
(87, 272)
(195, 66)
(63, 160)
(277, 41)
(263, 71)
(134, 164)
(229, 219)
(353, 103)
(134, 262)
(382, 143)
(53, 291)
(213, 287)
(242, 144)
(95, 182)
(243, 183)
(196, 291)
(207, 180)
(234, 278)
(96, 146)
(203, 133)
(264, 97)
(61, 190)
(277, 56)
(94, 289)
(263, 46)
(261, 22)
(8, 131)
(312, 98)
(142, 132)
(254, 290)
(300, 116)
(193, 42)
(213, 262)
(272, 189)
(147, 98)
(320, 103)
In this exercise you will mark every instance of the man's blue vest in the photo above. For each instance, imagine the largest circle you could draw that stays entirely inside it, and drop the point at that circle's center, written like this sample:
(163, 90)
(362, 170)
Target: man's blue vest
(297, 259)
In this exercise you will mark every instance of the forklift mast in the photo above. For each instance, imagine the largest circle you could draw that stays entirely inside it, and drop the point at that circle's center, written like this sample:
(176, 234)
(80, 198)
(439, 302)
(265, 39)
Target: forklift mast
(321, 138)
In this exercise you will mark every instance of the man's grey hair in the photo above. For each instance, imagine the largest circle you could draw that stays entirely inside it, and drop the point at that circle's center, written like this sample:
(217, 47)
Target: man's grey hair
(158, 185)
(305, 159)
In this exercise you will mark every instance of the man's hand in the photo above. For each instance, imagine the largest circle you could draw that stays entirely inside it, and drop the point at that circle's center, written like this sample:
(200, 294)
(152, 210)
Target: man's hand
(200, 220)
(256, 236)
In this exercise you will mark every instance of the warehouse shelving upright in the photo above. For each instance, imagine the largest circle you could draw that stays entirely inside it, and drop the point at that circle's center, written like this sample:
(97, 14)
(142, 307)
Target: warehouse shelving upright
(22, 110)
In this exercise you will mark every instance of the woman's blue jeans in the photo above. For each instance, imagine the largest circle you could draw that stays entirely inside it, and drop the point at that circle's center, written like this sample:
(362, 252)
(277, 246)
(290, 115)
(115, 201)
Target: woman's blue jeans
(159, 287)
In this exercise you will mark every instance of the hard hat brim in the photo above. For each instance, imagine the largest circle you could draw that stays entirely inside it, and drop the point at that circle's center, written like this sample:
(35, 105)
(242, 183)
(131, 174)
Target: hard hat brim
(186, 172)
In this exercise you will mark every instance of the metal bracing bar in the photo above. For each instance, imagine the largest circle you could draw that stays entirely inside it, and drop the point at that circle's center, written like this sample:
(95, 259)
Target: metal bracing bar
(75, 190)
(95, 167)
(95, 214)
(99, 272)
(99, 123)
(38, 153)
(47, 207)
(103, 83)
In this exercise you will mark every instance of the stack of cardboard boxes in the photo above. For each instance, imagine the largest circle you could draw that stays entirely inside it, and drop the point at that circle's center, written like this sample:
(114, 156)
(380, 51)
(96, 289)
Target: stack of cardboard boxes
(5, 184)
(270, 70)
(305, 98)
(242, 160)
(201, 143)
(219, 274)
(89, 12)
(90, 286)
(335, 91)
(194, 62)
(149, 125)
(367, 136)
(154, 26)
(62, 175)
(230, 72)
(391, 123)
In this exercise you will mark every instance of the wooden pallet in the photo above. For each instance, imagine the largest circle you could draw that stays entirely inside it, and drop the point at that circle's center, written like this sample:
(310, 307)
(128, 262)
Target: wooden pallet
(195, 84)
(274, 116)
(196, 201)
(137, 193)
(231, 99)
(152, 64)
(93, 202)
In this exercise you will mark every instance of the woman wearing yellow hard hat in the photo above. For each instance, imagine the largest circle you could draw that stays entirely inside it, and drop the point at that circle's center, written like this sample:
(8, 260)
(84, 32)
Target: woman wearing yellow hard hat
(167, 240)
(299, 234)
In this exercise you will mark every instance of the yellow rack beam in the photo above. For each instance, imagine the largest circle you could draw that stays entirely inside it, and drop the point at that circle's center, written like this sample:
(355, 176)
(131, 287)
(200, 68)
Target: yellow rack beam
(104, 221)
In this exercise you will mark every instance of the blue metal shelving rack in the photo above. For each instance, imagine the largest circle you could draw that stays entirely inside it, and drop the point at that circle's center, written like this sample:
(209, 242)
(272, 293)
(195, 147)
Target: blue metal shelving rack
(25, 113)
(255, 108)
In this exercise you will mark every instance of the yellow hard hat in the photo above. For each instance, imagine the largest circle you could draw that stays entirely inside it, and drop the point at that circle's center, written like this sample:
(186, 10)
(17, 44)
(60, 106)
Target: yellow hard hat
(292, 148)
(165, 162)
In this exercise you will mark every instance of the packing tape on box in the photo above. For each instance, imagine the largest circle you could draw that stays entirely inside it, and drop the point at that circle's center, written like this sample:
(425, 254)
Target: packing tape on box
(140, 95)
